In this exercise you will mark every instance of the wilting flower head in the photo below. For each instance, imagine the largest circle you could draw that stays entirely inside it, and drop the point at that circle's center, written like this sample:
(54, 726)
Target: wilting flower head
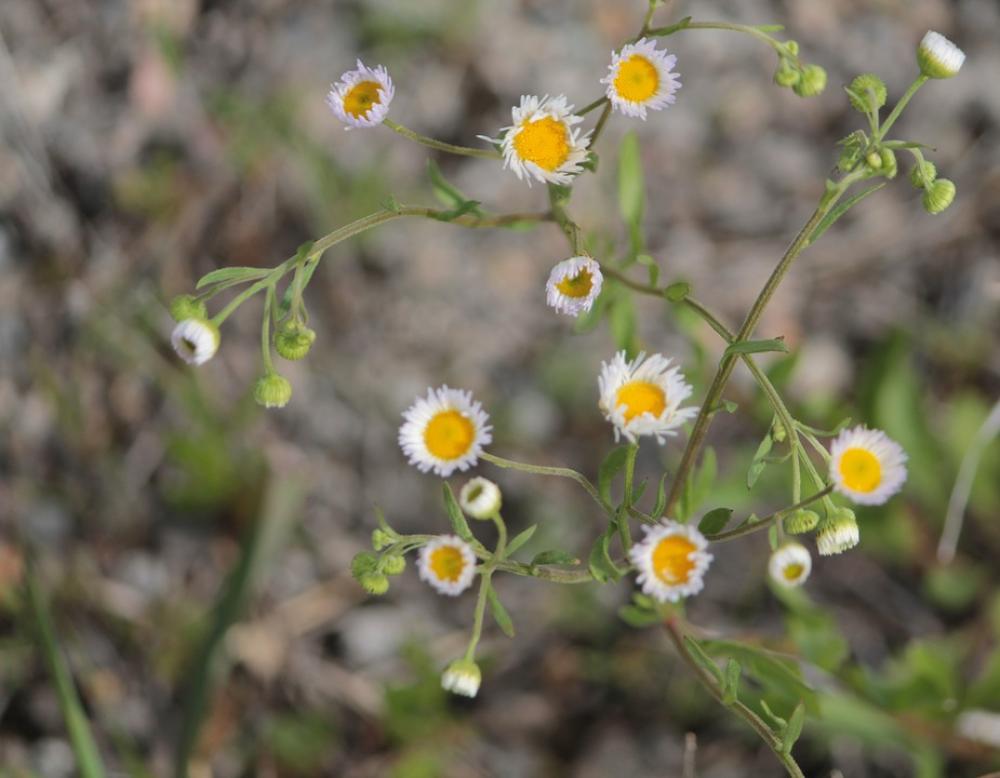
(541, 143)
(480, 498)
(195, 340)
(838, 533)
(462, 677)
(938, 57)
(671, 561)
(643, 397)
(445, 431)
(640, 77)
(573, 285)
(361, 98)
(867, 466)
(790, 565)
(448, 564)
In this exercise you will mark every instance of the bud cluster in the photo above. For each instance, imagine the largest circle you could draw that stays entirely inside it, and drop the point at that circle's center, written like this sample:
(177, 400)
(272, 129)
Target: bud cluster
(804, 80)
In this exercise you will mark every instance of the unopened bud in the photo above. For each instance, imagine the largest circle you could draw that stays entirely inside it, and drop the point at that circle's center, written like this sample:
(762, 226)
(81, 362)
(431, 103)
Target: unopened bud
(272, 391)
(187, 306)
(923, 174)
(867, 92)
(813, 81)
(801, 521)
(787, 75)
(374, 583)
(939, 195)
(393, 565)
(293, 340)
(381, 539)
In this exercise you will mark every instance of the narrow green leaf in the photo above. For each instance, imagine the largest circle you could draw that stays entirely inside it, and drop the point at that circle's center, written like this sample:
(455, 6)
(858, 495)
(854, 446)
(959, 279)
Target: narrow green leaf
(602, 567)
(729, 406)
(232, 274)
(445, 191)
(714, 521)
(458, 522)
(622, 321)
(380, 520)
(677, 291)
(638, 617)
(731, 682)
(756, 346)
(778, 721)
(554, 557)
(651, 266)
(793, 730)
(703, 659)
(772, 536)
(631, 186)
(613, 464)
(759, 460)
(520, 539)
(500, 615)
(661, 497)
(840, 209)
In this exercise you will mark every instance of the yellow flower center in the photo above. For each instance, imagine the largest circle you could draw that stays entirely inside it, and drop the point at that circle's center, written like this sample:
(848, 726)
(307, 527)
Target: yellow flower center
(578, 285)
(447, 563)
(793, 571)
(672, 560)
(637, 79)
(449, 435)
(860, 469)
(641, 397)
(361, 98)
(544, 142)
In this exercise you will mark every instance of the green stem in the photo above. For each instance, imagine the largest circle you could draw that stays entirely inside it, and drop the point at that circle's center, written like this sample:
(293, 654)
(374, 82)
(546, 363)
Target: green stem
(711, 685)
(561, 472)
(451, 148)
(767, 521)
(485, 583)
(265, 331)
(599, 127)
(592, 106)
(898, 109)
(662, 32)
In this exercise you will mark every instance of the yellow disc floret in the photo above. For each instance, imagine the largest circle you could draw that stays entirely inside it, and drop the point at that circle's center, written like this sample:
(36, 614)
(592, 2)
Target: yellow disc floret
(544, 142)
(578, 285)
(641, 397)
(361, 98)
(860, 470)
(637, 79)
(672, 560)
(447, 563)
(449, 434)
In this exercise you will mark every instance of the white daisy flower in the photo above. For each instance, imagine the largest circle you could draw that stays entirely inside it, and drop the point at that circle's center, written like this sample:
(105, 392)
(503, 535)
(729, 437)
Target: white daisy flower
(448, 564)
(445, 431)
(671, 561)
(480, 498)
(838, 533)
(790, 565)
(980, 725)
(640, 76)
(867, 466)
(462, 677)
(541, 143)
(573, 285)
(195, 340)
(643, 397)
(938, 57)
(361, 98)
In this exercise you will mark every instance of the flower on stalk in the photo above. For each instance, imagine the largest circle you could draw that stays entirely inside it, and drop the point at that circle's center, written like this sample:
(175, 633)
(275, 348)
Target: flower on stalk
(812, 81)
(448, 564)
(938, 57)
(445, 431)
(641, 76)
(480, 498)
(272, 391)
(195, 340)
(671, 561)
(573, 285)
(867, 466)
(643, 397)
(867, 92)
(939, 195)
(541, 143)
(462, 677)
(790, 565)
(803, 520)
(838, 533)
(293, 340)
(361, 98)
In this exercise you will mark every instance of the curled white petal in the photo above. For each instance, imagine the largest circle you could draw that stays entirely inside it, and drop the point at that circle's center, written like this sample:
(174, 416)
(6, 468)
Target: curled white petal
(376, 111)
(562, 296)
(480, 498)
(195, 341)
(790, 565)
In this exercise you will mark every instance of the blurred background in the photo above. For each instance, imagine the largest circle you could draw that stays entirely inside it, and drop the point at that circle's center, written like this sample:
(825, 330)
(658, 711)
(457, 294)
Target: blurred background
(146, 143)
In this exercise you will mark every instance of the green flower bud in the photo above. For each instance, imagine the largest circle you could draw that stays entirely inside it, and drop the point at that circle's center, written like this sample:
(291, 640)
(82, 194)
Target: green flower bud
(813, 81)
(867, 93)
(925, 170)
(801, 521)
(462, 676)
(889, 165)
(381, 539)
(187, 306)
(792, 47)
(393, 565)
(374, 583)
(874, 160)
(363, 563)
(272, 391)
(787, 75)
(939, 195)
(778, 431)
(293, 340)
(838, 532)
(848, 159)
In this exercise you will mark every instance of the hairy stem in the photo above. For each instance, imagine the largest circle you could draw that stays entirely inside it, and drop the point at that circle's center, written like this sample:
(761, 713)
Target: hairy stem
(561, 472)
(439, 145)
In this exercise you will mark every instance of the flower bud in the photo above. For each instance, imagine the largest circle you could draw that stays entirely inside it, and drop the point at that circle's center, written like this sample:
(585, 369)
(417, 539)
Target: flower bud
(363, 562)
(480, 498)
(187, 306)
(790, 565)
(801, 521)
(272, 391)
(787, 75)
(195, 340)
(889, 165)
(838, 532)
(848, 158)
(462, 677)
(867, 93)
(394, 564)
(293, 340)
(874, 160)
(792, 47)
(924, 170)
(374, 583)
(381, 539)
(813, 81)
(938, 57)
(939, 195)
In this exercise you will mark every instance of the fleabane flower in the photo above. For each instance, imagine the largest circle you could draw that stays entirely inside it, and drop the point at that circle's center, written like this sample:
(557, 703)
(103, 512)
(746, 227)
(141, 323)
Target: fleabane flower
(480, 498)
(671, 561)
(542, 142)
(361, 98)
(938, 57)
(462, 676)
(448, 564)
(838, 533)
(445, 431)
(643, 397)
(790, 565)
(573, 285)
(195, 340)
(640, 77)
(867, 466)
